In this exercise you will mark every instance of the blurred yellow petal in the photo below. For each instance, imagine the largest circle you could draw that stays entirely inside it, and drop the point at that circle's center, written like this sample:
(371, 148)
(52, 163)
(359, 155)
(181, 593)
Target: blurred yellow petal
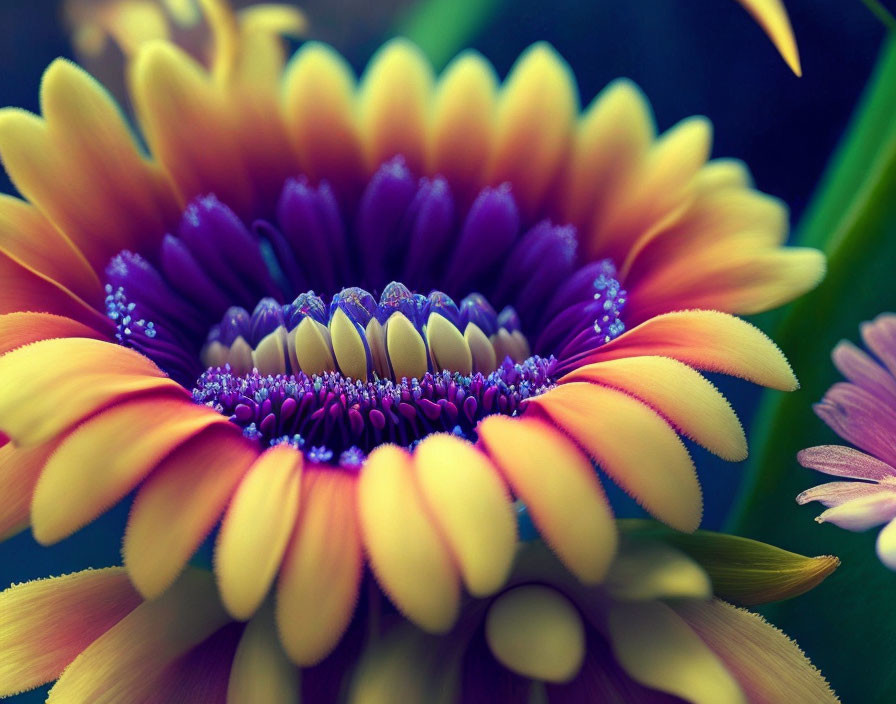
(256, 528)
(60, 382)
(19, 472)
(319, 581)
(653, 570)
(632, 444)
(261, 672)
(273, 18)
(462, 120)
(533, 127)
(536, 632)
(470, 505)
(124, 664)
(407, 554)
(769, 666)
(693, 405)
(657, 648)
(106, 457)
(48, 622)
(724, 173)
(706, 340)
(394, 104)
(178, 505)
(559, 487)
(772, 17)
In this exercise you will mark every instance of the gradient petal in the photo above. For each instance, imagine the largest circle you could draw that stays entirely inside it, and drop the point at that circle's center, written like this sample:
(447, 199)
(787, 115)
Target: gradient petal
(20, 329)
(19, 472)
(858, 417)
(859, 368)
(863, 512)
(559, 487)
(843, 461)
(633, 445)
(261, 672)
(772, 17)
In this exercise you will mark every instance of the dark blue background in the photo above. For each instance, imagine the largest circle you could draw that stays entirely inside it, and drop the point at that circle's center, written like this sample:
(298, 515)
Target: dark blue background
(689, 56)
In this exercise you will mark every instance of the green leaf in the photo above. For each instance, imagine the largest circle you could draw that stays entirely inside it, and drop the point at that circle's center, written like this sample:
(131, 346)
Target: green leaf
(847, 625)
(743, 571)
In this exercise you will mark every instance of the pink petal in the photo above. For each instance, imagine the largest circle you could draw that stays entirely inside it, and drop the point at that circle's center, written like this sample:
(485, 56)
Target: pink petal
(858, 366)
(860, 418)
(880, 337)
(843, 461)
(862, 513)
(836, 493)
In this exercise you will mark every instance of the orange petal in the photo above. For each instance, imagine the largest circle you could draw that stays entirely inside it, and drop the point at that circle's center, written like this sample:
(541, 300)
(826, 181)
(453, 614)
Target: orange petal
(256, 528)
(60, 382)
(319, 110)
(128, 661)
(632, 444)
(707, 340)
(612, 138)
(319, 581)
(47, 623)
(533, 126)
(19, 472)
(179, 504)
(559, 487)
(393, 105)
(772, 17)
(408, 557)
(768, 665)
(680, 394)
(470, 506)
(188, 126)
(106, 457)
(19, 329)
(462, 122)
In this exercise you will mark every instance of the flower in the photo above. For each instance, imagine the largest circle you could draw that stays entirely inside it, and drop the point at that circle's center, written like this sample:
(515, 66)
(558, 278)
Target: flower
(653, 631)
(861, 411)
(330, 426)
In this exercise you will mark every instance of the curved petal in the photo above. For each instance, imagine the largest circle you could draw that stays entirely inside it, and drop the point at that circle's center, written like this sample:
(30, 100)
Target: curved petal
(658, 649)
(394, 104)
(772, 17)
(471, 508)
(60, 382)
(408, 556)
(46, 623)
(843, 461)
(318, 585)
(707, 340)
(859, 368)
(20, 329)
(690, 402)
(19, 472)
(124, 663)
(261, 671)
(103, 459)
(632, 444)
(647, 569)
(533, 125)
(768, 665)
(256, 529)
(559, 487)
(179, 504)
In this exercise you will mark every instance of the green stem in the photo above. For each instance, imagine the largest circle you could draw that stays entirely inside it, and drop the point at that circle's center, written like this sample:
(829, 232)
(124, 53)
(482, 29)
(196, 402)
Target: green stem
(882, 13)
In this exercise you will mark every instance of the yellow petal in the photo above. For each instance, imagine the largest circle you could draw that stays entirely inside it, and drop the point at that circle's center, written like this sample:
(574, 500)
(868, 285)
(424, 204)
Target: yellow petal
(646, 569)
(124, 664)
(59, 382)
(769, 665)
(269, 355)
(405, 348)
(319, 110)
(536, 632)
(707, 340)
(658, 649)
(106, 457)
(261, 672)
(348, 346)
(319, 581)
(393, 105)
(481, 349)
(179, 504)
(693, 405)
(376, 340)
(46, 623)
(463, 120)
(611, 139)
(470, 505)
(632, 444)
(724, 173)
(256, 528)
(19, 472)
(533, 127)
(447, 346)
(409, 558)
(559, 487)
(772, 17)
(310, 348)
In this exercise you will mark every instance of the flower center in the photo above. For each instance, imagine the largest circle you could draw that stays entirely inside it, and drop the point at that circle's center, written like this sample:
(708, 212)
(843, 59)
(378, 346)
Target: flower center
(339, 379)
